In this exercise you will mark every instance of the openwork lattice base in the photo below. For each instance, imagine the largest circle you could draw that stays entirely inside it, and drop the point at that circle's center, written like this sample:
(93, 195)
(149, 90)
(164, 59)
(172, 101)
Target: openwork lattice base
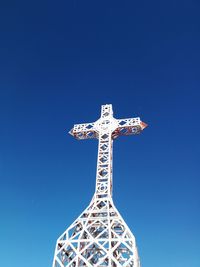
(99, 237)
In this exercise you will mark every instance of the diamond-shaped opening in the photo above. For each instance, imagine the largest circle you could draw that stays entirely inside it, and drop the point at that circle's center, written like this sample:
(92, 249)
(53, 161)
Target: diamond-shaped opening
(103, 159)
(90, 134)
(123, 131)
(79, 134)
(103, 172)
(122, 254)
(105, 136)
(101, 204)
(89, 126)
(104, 147)
(122, 123)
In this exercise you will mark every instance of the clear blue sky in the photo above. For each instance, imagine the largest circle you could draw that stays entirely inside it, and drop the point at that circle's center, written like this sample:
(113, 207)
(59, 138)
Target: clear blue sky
(59, 61)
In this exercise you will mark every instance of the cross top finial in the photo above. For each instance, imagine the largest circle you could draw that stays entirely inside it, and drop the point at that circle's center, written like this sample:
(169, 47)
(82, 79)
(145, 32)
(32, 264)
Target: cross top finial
(106, 110)
(107, 123)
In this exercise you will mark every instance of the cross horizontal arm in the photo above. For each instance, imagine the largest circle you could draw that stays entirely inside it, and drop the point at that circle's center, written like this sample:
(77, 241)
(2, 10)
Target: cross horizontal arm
(129, 126)
(84, 131)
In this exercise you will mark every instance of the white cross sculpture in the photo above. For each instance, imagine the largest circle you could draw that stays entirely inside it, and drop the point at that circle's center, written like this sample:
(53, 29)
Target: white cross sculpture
(99, 236)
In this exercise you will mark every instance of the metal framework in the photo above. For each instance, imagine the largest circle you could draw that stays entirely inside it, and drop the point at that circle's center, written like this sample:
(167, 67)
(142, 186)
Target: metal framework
(99, 236)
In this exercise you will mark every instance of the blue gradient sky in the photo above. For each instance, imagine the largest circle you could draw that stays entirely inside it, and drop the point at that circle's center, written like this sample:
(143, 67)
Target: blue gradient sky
(59, 62)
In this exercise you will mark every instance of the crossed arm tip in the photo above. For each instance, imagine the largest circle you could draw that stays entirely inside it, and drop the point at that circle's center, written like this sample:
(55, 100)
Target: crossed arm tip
(143, 125)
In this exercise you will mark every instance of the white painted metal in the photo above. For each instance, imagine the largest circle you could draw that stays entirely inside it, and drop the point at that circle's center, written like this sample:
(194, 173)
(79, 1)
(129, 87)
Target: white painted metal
(99, 236)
